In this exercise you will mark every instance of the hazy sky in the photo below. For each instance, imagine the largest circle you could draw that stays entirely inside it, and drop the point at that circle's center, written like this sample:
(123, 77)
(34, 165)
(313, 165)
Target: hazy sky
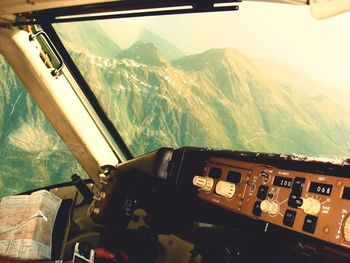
(287, 33)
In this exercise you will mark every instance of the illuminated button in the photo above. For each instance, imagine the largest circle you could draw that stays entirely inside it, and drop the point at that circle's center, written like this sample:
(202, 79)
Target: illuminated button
(225, 189)
(270, 207)
(310, 224)
(289, 218)
(205, 183)
(311, 206)
(256, 208)
(262, 191)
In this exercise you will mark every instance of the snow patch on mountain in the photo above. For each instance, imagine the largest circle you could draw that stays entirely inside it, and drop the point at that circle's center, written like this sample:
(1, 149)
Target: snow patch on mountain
(31, 139)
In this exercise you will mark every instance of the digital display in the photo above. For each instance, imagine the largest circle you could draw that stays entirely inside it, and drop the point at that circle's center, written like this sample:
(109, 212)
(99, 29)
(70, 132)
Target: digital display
(346, 193)
(215, 173)
(283, 181)
(322, 189)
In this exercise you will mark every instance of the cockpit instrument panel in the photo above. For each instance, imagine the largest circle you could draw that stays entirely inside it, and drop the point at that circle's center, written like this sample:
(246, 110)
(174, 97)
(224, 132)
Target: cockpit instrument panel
(314, 204)
(308, 197)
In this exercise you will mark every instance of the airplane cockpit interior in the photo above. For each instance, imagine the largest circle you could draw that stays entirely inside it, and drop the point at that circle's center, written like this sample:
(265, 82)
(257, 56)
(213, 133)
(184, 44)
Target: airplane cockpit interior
(188, 131)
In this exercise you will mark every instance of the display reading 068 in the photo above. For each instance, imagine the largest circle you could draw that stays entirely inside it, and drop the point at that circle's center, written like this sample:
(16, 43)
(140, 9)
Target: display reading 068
(318, 188)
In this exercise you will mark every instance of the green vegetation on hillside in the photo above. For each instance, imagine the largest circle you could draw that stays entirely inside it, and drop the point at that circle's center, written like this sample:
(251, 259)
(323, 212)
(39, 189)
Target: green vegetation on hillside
(218, 99)
(31, 153)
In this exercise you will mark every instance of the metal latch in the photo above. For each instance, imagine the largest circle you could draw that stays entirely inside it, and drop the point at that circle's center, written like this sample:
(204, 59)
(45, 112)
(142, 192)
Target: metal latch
(51, 51)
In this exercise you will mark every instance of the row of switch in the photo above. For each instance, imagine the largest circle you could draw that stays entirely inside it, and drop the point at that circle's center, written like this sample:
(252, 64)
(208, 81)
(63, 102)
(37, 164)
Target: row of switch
(289, 216)
(310, 206)
(302, 212)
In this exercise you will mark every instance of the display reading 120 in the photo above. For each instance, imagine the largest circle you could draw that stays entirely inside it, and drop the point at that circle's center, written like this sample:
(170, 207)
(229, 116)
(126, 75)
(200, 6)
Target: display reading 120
(283, 181)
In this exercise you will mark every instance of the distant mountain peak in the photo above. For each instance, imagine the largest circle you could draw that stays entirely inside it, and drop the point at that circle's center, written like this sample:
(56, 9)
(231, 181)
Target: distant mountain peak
(169, 50)
(212, 58)
(145, 53)
(221, 51)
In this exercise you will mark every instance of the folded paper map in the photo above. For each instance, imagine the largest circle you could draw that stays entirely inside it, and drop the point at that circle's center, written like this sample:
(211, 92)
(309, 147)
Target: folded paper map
(26, 225)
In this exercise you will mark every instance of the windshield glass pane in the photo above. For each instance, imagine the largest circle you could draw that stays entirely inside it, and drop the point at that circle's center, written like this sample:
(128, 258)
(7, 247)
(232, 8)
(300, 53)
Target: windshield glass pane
(267, 78)
(32, 155)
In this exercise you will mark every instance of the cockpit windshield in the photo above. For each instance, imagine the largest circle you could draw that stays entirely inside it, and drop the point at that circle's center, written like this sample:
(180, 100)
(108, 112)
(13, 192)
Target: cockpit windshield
(268, 78)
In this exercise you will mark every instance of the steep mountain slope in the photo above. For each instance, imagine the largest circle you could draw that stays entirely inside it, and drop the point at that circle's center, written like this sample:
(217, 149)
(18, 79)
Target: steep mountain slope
(269, 115)
(26, 161)
(217, 99)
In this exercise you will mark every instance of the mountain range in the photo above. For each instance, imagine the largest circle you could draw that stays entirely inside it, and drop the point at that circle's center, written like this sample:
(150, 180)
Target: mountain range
(219, 98)
(158, 96)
